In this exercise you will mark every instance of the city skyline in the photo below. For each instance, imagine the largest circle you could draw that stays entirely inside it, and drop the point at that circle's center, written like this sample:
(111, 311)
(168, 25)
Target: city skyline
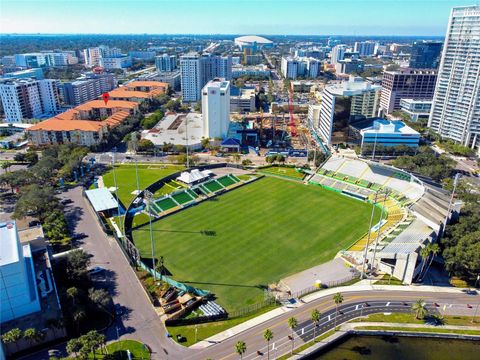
(381, 18)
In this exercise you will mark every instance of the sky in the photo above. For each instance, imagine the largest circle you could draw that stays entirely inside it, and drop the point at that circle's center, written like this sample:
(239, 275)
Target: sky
(297, 17)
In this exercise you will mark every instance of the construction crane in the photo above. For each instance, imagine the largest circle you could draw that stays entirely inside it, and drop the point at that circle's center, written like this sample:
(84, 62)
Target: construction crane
(293, 128)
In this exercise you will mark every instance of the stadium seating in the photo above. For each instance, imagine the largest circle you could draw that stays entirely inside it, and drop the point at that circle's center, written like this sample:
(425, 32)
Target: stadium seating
(211, 308)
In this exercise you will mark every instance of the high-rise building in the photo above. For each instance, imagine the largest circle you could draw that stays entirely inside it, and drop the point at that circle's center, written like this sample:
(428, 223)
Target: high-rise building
(196, 70)
(365, 48)
(191, 72)
(92, 56)
(349, 66)
(338, 53)
(417, 84)
(24, 99)
(425, 54)
(344, 103)
(313, 67)
(289, 67)
(165, 63)
(216, 108)
(87, 88)
(456, 105)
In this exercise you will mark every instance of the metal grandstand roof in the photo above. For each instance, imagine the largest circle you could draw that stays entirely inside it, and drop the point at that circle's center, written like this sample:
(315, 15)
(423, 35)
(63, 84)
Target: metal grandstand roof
(410, 239)
(101, 199)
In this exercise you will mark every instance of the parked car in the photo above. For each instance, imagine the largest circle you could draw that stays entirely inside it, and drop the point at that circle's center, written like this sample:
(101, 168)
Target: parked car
(95, 270)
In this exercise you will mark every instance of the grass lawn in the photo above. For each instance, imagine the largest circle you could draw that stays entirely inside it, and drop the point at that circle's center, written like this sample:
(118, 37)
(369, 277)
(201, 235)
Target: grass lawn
(239, 242)
(206, 330)
(126, 178)
(119, 350)
(385, 280)
(410, 319)
(421, 330)
(282, 171)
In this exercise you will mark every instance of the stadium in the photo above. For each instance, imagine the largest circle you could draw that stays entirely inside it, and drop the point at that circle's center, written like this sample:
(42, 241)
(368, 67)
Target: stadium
(233, 235)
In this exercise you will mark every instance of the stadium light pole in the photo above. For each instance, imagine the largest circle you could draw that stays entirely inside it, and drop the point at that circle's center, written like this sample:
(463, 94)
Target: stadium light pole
(374, 144)
(379, 228)
(115, 183)
(368, 238)
(186, 135)
(149, 198)
(455, 182)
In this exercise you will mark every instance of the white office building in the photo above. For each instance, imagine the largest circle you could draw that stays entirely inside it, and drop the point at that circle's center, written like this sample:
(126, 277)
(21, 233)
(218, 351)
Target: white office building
(455, 110)
(24, 99)
(216, 108)
(117, 62)
(363, 101)
(18, 289)
(92, 56)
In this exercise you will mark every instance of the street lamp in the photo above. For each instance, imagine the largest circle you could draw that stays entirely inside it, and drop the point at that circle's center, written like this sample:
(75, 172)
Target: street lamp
(116, 188)
(380, 226)
(149, 199)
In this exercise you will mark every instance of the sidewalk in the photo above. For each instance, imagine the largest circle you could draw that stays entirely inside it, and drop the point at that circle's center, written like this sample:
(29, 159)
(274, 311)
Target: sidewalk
(360, 286)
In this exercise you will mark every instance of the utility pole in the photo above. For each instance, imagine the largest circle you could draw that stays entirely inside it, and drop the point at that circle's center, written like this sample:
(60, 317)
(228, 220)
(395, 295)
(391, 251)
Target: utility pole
(149, 198)
(368, 238)
(374, 144)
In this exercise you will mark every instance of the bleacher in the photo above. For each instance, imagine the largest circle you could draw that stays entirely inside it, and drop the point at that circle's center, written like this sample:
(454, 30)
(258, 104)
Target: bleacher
(211, 308)
(372, 176)
(165, 204)
(213, 185)
(183, 197)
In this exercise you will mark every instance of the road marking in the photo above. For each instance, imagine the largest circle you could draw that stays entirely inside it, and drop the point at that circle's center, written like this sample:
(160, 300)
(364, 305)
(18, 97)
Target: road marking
(388, 303)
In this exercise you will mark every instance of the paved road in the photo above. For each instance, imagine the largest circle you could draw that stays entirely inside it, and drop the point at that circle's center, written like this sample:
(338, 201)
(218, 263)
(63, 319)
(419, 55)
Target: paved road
(353, 306)
(139, 320)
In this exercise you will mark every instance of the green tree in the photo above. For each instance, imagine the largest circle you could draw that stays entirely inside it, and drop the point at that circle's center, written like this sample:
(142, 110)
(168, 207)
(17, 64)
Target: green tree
(76, 264)
(31, 157)
(240, 348)
(78, 316)
(246, 162)
(73, 294)
(100, 297)
(19, 156)
(36, 199)
(145, 145)
(268, 336)
(32, 335)
(419, 308)
(236, 158)
(424, 253)
(315, 317)
(12, 337)
(292, 324)
(6, 165)
(338, 299)
(434, 250)
(74, 346)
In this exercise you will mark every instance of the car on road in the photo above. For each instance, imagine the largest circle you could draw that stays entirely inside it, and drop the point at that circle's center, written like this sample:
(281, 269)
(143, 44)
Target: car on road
(95, 270)
(66, 201)
(54, 353)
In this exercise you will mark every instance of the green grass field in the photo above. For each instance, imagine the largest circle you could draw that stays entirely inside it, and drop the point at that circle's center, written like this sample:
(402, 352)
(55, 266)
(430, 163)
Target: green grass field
(126, 178)
(263, 232)
(282, 171)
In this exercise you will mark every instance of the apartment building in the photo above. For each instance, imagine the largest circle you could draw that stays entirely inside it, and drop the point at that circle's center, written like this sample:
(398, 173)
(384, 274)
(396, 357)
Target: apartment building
(87, 88)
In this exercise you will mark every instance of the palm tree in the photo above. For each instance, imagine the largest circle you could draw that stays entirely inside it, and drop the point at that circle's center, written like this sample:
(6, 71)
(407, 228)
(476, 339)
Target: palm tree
(12, 337)
(6, 166)
(338, 299)
(315, 317)
(240, 348)
(77, 317)
(434, 250)
(292, 324)
(419, 307)
(268, 335)
(74, 346)
(72, 294)
(424, 252)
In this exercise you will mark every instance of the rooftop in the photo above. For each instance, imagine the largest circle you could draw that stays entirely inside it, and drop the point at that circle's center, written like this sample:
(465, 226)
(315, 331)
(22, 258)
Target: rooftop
(101, 199)
(54, 124)
(354, 86)
(100, 104)
(139, 83)
(389, 126)
(8, 243)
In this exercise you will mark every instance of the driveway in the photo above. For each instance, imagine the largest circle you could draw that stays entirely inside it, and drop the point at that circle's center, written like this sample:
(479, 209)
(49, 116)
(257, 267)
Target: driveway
(139, 320)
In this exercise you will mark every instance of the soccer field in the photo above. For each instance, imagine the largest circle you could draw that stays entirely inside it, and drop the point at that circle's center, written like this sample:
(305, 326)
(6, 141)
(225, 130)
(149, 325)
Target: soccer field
(264, 231)
(127, 180)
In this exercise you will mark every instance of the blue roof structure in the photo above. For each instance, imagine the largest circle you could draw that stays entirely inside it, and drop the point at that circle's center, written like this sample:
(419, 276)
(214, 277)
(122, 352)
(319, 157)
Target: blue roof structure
(230, 142)
(101, 199)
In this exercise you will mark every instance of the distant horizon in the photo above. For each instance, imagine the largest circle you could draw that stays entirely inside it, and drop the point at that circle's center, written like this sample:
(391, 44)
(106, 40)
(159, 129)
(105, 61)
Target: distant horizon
(219, 34)
(208, 17)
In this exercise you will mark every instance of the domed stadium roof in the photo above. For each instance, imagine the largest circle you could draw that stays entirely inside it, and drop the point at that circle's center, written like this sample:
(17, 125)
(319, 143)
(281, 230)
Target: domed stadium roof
(252, 38)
